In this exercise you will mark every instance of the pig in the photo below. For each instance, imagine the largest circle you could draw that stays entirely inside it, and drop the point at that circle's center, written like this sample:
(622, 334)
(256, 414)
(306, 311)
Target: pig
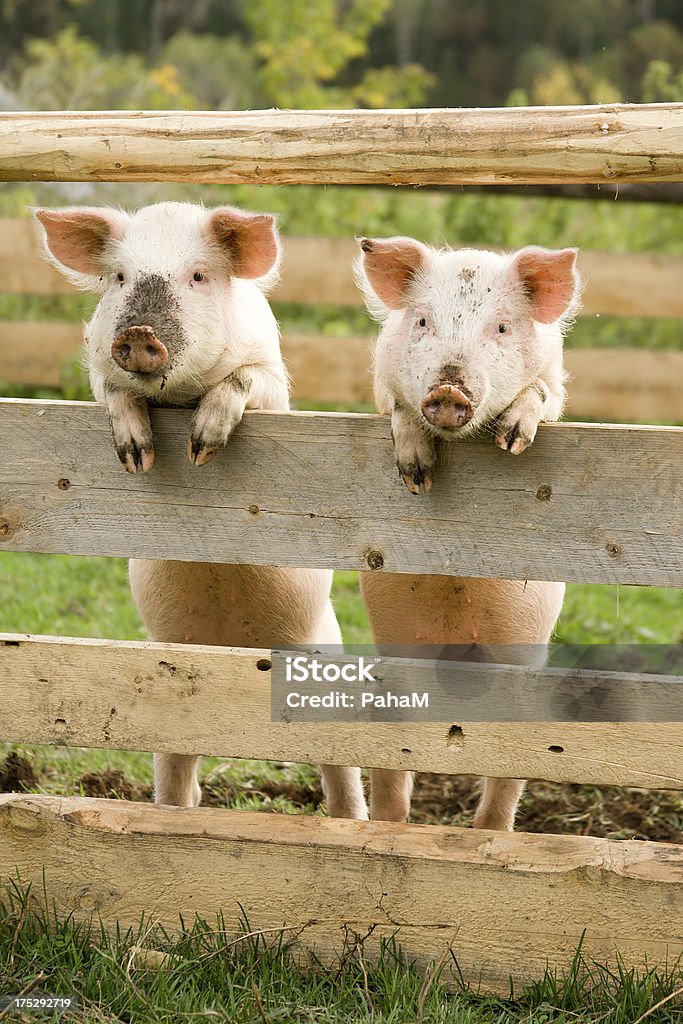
(183, 320)
(469, 341)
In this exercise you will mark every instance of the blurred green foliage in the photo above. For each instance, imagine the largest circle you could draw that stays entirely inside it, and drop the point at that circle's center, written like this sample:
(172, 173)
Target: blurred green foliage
(239, 53)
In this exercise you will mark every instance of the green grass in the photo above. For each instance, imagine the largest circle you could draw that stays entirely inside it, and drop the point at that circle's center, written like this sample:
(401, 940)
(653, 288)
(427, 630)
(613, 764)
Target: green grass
(206, 973)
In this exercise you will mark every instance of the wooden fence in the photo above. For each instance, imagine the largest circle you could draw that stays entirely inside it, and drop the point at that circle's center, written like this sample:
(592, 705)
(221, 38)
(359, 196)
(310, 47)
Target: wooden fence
(587, 502)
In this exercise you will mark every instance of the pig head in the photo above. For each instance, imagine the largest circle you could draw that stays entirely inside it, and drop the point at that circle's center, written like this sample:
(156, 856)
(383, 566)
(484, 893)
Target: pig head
(181, 312)
(470, 340)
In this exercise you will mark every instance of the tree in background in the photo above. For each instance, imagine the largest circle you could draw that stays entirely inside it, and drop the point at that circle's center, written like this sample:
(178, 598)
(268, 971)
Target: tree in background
(293, 56)
(71, 73)
(304, 47)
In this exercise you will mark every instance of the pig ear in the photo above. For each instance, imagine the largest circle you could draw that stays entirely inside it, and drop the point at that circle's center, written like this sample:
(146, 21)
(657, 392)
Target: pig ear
(76, 239)
(389, 266)
(550, 279)
(250, 240)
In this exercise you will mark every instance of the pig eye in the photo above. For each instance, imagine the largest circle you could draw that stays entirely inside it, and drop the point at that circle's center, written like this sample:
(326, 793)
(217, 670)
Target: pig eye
(503, 328)
(197, 276)
(422, 322)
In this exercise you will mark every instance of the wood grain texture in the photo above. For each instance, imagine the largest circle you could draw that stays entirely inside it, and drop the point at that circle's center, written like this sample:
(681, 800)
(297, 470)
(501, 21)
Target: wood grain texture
(319, 270)
(183, 698)
(321, 490)
(614, 143)
(329, 880)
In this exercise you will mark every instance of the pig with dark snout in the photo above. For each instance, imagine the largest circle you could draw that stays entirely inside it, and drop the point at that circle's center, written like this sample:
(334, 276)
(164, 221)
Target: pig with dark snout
(183, 320)
(469, 341)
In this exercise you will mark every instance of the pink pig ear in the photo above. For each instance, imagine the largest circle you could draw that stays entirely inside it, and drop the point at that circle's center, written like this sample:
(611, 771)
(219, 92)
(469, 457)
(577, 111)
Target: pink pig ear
(550, 279)
(390, 264)
(250, 240)
(77, 238)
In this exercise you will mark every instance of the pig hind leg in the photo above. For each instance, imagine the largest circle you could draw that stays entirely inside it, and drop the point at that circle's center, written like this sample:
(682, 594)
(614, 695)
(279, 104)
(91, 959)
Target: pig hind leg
(498, 804)
(343, 791)
(175, 780)
(343, 787)
(390, 794)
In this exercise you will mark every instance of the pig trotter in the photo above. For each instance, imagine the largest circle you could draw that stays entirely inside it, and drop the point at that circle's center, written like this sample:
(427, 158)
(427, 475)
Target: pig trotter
(415, 477)
(415, 451)
(216, 417)
(131, 429)
(134, 458)
(516, 427)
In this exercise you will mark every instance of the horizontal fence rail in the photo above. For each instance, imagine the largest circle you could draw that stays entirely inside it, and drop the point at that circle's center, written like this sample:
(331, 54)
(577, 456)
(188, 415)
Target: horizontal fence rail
(507, 905)
(585, 503)
(319, 270)
(183, 698)
(613, 143)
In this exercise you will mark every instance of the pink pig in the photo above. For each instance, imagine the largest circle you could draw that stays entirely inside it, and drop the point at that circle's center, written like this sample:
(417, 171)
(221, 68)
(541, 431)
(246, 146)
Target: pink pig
(183, 320)
(469, 341)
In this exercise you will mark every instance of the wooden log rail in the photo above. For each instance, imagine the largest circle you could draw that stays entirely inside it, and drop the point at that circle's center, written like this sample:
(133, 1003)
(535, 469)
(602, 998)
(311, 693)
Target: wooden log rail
(609, 143)
(184, 698)
(507, 904)
(585, 503)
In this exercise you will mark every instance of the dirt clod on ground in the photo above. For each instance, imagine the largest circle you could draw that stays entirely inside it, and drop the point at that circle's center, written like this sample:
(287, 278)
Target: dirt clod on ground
(16, 775)
(111, 784)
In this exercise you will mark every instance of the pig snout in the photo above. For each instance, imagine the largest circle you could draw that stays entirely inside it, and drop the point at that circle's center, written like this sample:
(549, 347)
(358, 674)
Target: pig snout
(138, 350)
(447, 407)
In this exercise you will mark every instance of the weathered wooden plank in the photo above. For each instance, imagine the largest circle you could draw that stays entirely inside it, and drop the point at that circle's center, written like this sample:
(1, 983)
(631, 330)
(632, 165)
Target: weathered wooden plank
(183, 698)
(319, 270)
(321, 490)
(616, 142)
(631, 385)
(428, 886)
(35, 353)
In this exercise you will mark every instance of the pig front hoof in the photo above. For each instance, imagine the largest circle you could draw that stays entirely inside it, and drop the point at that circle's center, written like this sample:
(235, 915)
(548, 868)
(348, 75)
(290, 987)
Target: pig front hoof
(516, 426)
(514, 441)
(134, 456)
(416, 476)
(198, 452)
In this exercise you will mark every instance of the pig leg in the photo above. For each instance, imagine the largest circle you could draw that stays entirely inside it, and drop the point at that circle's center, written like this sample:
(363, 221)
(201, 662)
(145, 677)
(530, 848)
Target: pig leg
(390, 794)
(409, 609)
(175, 780)
(238, 606)
(516, 427)
(131, 428)
(221, 409)
(343, 791)
(415, 451)
(498, 804)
